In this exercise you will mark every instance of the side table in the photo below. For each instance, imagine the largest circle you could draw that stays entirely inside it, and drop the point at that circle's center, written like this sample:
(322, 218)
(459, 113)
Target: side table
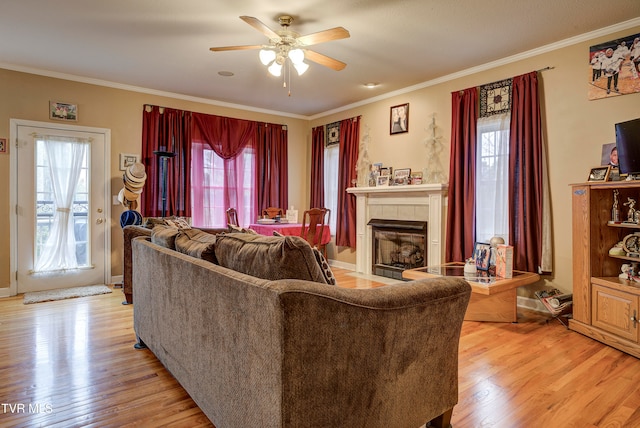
(492, 298)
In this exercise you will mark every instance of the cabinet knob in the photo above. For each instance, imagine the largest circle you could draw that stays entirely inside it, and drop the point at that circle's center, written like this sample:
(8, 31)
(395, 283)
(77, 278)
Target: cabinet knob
(634, 319)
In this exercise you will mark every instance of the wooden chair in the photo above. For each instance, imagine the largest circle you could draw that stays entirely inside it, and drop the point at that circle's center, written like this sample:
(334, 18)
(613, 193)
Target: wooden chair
(313, 224)
(272, 212)
(232, 217)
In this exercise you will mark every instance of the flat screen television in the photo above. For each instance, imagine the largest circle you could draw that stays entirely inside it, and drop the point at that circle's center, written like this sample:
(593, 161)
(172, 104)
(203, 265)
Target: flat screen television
(628, 145)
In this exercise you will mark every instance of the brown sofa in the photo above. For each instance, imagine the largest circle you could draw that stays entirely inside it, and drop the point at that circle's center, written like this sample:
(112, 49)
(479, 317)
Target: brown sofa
(295, 352)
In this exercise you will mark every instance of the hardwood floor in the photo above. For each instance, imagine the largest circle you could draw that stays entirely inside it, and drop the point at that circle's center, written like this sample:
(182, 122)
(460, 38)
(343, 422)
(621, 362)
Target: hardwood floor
(72, 363)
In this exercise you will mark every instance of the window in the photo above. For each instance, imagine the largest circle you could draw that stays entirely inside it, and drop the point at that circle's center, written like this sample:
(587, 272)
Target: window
(331, 155)
(492, 174)
(217, 184)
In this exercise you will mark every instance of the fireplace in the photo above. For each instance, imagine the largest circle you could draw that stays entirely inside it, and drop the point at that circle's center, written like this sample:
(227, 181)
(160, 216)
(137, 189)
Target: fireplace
(397, 245)
(419, 202)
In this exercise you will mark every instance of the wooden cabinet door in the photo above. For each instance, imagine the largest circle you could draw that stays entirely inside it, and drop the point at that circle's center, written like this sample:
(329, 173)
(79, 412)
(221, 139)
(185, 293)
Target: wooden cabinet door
(615, 311)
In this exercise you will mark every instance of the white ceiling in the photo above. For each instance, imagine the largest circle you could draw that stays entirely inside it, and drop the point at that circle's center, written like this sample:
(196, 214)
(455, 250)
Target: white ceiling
(163, 45)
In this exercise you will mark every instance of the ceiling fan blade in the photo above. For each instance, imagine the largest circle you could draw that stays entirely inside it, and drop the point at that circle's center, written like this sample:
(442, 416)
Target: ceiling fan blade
(324, 60)
(235, 48)
(324, 36)
(258, 25)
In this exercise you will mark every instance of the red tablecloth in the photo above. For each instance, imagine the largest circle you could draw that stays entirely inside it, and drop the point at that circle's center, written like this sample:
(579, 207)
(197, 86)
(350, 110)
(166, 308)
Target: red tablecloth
(288, 229)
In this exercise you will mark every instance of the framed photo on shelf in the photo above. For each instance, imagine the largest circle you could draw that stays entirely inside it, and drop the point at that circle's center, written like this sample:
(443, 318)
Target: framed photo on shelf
(599, 173)
(399, 121)
(402, 176)
(482, 255)
(383, 180)
(387, 170)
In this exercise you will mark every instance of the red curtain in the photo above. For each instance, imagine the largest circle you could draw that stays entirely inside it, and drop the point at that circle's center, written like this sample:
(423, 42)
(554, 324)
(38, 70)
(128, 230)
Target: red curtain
(526, 174)
(460, 231)
(349, 146)
(226, 136)
(272, 160)
(166, 130)
(317, 168)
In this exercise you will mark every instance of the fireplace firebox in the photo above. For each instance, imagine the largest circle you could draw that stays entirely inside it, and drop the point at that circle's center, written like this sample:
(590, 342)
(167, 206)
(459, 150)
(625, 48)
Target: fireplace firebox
(398, 245)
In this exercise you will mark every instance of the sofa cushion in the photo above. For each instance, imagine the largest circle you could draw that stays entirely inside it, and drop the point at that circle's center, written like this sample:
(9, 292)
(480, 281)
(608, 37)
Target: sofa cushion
(165, 236)
(197, 243)
(268, 257)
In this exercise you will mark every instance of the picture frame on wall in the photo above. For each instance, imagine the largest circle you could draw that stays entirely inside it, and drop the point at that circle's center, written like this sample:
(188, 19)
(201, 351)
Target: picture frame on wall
(599, 173)
(333, 134)
(126, 160)
(63, 111)
(399, 119)
(3, 145)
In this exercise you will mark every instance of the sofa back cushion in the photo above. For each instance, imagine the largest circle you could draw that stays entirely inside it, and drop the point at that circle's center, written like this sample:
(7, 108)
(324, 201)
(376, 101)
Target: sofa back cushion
(165, 236)
(197, 243)
(268, 257)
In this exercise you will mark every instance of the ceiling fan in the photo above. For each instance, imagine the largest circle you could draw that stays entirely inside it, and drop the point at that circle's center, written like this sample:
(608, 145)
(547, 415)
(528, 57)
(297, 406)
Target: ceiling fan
(285, 43)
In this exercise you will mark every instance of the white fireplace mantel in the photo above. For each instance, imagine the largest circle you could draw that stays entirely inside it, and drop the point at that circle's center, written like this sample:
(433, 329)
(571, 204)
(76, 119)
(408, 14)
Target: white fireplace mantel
(420, 202)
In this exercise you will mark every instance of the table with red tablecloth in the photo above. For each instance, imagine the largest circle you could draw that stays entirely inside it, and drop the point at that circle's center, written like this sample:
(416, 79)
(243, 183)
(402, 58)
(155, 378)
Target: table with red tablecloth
(288, 229)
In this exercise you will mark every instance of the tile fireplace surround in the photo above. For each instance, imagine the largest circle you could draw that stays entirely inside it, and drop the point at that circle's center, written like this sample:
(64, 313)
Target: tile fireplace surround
(421, 202)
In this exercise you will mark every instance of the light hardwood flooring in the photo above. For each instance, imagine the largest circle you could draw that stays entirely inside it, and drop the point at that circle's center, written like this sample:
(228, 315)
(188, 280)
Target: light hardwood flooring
(71, 363)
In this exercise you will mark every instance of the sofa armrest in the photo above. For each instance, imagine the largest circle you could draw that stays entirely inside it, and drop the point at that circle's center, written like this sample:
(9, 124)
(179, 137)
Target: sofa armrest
(397, 346)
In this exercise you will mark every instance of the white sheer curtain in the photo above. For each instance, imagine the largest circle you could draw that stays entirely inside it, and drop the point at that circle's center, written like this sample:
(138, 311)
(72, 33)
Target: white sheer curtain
(492, 175)
(65, 157)
(331, 184)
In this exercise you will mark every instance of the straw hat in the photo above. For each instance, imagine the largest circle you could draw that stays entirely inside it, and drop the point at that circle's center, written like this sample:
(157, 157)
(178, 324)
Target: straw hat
(135, 173)
(129, 195)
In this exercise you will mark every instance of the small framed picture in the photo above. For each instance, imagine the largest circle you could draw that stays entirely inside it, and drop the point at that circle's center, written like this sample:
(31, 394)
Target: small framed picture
(3, 145)
(482, 255)
(387, 170)
(402, 176)
(63, 111)
(416, 178)
(126, 160)
(399, 119)
(383, 180)
(599, 173)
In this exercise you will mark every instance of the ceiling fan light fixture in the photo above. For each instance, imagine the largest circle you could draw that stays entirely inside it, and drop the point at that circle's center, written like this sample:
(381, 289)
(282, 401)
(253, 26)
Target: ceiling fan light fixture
(267, 56)
(275, 69)
(296, 56)
(301, 67)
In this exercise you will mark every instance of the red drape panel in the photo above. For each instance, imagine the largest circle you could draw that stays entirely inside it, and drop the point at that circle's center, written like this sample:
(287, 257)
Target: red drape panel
(346, 215)
(166, 130)
(526, 174)
(460, 231)
(150, 130)
(272, 171)
(316, 198)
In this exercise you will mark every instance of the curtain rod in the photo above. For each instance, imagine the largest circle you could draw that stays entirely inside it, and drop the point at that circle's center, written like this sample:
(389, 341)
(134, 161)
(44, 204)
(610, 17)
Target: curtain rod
(546, 68)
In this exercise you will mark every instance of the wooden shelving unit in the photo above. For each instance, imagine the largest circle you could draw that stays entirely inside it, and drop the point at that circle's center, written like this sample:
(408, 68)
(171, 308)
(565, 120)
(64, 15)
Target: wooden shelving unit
(605, 307)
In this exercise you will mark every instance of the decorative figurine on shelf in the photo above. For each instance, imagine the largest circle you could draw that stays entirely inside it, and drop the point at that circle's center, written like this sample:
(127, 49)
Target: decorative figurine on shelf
(618, 250)
(615, 210)
(631, 203)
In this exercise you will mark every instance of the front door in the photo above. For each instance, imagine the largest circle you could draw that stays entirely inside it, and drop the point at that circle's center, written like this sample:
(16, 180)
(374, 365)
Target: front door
(61, 205)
